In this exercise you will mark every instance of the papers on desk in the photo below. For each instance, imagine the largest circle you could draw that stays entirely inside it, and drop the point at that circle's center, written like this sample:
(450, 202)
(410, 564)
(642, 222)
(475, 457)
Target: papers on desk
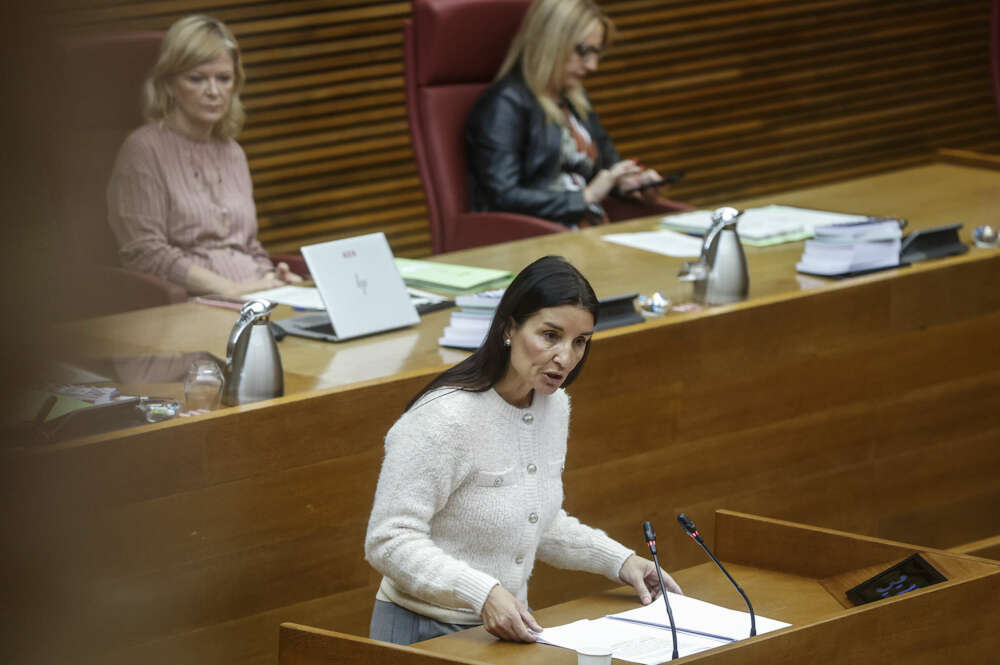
(668, 243)
(634, 642)
(845, 249)
(642, 635)
(758, 227)
(300, 297)
(469, 325)
(700, 617)
(769, 225)
(309, 298)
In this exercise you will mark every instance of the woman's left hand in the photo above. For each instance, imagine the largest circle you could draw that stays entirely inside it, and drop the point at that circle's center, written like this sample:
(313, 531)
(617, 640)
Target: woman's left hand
(641, 574)
(285, 274)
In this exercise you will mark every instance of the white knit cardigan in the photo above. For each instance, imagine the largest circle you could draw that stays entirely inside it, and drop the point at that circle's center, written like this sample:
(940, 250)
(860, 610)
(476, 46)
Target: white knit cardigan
(470, 493)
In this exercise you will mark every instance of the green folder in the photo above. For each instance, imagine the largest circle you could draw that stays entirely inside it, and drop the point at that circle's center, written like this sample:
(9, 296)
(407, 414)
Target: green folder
(449, 278)
(28, 404)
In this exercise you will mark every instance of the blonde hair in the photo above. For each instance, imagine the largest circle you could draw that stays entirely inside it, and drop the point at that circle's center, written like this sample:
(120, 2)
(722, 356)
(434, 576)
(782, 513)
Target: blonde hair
(190, 42)
(549, 32)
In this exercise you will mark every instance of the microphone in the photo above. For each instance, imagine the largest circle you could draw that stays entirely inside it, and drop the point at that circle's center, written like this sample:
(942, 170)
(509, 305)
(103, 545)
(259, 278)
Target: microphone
(692, 531)
(647, 531)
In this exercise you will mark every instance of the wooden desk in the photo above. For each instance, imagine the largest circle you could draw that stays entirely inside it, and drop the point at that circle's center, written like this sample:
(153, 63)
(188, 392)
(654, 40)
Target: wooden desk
(926, 196)
(790, 571)
(971, 158)
(866, 405)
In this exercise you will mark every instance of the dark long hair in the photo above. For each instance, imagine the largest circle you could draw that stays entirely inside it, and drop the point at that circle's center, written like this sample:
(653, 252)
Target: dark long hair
(551, 281)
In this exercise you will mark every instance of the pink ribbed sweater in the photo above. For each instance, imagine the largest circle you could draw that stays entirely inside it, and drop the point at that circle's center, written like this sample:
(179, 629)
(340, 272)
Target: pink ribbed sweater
(174, 202)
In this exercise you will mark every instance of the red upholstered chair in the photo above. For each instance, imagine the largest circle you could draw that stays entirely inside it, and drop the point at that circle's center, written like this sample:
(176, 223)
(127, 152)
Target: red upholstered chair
(453, 50)
(103, 75)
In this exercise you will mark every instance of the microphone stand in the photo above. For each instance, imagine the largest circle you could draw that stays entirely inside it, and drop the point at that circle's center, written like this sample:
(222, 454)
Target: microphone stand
(647, 530)
(692, 531)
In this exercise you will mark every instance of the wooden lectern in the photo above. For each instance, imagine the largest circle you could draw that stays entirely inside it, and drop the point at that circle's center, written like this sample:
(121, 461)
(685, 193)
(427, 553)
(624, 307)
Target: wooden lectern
(791, 572)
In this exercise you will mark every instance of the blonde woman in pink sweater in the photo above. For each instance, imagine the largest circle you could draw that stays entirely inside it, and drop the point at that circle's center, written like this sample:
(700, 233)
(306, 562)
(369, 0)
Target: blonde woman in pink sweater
(180, 198)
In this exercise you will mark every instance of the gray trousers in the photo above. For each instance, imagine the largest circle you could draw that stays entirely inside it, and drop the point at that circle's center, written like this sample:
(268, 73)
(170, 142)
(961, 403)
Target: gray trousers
(392, 623)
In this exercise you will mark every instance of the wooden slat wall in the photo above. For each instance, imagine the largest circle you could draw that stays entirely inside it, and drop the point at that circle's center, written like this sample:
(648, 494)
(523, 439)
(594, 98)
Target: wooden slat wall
(746, 96)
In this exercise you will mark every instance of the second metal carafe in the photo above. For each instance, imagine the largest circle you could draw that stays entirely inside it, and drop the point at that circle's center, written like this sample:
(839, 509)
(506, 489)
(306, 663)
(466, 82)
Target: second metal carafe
(720, 274)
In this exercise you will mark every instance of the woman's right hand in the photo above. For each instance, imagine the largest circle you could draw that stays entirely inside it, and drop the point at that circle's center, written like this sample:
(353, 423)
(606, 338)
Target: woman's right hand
(606, 180)
(505, 617)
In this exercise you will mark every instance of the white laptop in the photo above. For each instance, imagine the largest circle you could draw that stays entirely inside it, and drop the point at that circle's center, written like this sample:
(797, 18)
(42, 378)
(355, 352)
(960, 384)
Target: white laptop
(361, 289)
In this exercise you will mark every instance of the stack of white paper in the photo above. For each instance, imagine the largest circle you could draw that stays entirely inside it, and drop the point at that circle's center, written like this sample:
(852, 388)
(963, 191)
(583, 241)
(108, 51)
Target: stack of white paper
(469, 325)
(848, 248)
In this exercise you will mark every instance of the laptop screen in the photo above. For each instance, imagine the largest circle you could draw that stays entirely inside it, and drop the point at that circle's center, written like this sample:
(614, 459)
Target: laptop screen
(360, 285)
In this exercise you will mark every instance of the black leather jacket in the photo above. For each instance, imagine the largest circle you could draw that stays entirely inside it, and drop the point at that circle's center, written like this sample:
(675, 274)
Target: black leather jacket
(514, 153)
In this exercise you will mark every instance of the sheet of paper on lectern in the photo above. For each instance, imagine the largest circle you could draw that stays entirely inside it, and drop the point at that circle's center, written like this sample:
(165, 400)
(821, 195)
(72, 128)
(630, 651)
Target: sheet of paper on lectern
(634, 642)
(696, 615)
(642, 635)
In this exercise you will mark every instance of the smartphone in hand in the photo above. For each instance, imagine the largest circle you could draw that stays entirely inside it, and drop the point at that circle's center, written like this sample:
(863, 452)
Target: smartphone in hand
(670, 179)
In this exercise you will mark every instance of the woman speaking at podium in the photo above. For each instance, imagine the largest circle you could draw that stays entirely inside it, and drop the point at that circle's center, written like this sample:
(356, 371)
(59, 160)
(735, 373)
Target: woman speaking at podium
(533, 142)
(470, 493)
(180, 199)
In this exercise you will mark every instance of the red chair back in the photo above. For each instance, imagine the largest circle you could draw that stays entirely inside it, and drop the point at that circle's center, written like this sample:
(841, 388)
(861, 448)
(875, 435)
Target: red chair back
(104, 75)
(453, 49)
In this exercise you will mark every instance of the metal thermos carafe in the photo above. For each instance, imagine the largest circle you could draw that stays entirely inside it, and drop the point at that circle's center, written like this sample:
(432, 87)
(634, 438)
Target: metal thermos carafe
(253, 364)
(720, 275)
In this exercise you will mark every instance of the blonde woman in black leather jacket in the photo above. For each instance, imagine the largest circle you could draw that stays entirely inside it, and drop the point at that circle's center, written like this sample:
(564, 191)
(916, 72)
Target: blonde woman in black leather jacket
(534, 144)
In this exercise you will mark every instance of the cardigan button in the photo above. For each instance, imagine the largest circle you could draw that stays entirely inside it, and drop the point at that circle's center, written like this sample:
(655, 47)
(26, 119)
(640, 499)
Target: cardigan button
(519, 560)
(533, 517)
(498, 482)
(532, 468)
(528, 418)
